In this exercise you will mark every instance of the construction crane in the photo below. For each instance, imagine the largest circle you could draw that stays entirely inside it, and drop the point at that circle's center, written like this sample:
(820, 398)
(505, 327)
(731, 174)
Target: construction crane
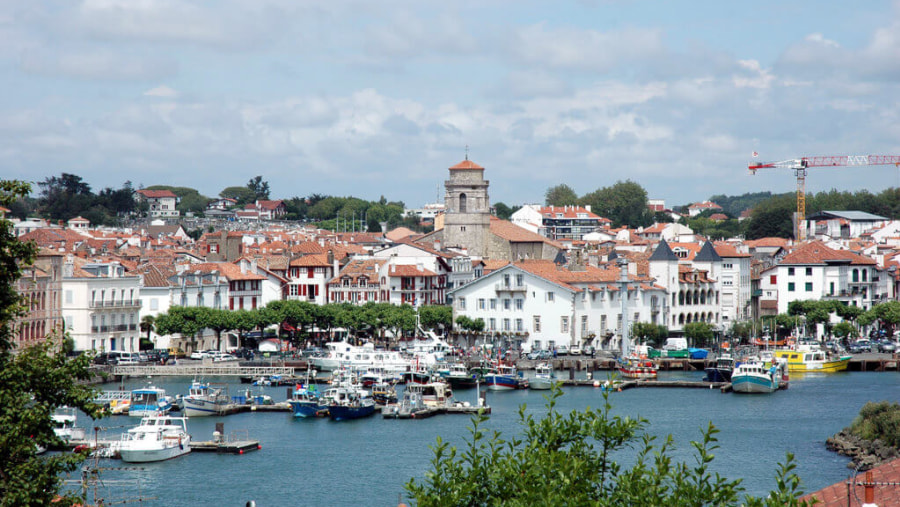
(800, 166)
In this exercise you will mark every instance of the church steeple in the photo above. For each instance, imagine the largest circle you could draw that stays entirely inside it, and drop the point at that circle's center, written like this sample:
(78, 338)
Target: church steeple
(467, 218)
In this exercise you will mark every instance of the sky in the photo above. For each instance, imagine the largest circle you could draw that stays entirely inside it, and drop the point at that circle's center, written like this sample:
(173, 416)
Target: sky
(379, 98)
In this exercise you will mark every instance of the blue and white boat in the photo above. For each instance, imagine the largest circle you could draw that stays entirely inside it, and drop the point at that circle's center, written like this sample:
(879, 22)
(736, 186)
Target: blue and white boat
(149, 401)
(305, 401)
(722, 371)
(754, 376)
(504, 378)
(544, 377)
(204, 400)
(349, 403)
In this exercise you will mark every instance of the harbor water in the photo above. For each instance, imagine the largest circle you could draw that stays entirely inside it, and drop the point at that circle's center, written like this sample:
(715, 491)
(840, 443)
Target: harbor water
(367, 461)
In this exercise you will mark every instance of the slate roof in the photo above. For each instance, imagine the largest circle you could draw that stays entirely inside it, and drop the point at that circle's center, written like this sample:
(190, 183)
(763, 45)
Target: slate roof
(663, 253)
(707, 254)
(849, 215)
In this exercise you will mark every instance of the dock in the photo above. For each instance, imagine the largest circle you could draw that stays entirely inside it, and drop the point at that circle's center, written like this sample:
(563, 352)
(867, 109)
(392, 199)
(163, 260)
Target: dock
(200, 370)
(425, 413)
(236, 447)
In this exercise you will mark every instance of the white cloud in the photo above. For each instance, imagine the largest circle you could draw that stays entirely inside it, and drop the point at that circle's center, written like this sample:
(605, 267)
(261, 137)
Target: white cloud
(98, 64)
(162, 91)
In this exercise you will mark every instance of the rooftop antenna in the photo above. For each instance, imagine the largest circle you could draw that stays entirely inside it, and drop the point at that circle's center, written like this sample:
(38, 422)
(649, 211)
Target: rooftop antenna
(467, 152)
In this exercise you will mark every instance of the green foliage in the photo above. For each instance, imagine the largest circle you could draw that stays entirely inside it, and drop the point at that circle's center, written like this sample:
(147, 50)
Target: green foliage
(625, 203)
(560, 195)
(67, 196)
(773, 218)
(242, 195)
(654, 334)
(734, 205)
(259, 188)
(878, 421)
(567, 459)
(700, 334)
(189, 199)
(33, 382)
(844, 330)
(502, 211)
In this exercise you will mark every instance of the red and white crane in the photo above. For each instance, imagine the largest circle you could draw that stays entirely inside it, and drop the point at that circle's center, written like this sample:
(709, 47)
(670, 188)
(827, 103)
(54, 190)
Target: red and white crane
(800, 166)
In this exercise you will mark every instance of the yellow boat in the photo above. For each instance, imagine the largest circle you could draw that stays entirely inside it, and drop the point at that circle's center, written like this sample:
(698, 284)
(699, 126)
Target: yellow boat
(810, 361)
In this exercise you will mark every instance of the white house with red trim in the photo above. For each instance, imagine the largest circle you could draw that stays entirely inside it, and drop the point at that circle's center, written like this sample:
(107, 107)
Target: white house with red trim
(161, 202)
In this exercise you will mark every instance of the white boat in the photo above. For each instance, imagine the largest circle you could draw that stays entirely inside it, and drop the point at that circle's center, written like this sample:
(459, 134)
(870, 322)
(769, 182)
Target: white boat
(504, 379)
(157, 438)
(64, 424)
(204, 400)
(755, 376)
(544, 377)
(149, 401)
(344, 355)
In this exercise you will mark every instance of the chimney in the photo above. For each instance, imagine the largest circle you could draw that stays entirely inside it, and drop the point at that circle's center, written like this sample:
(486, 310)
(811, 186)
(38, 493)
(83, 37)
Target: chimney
(253, 265)
(69, 266)
(243, 267)
(587, 207)
(437, 245)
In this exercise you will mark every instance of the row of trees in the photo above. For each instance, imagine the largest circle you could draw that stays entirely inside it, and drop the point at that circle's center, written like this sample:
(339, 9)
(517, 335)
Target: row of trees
(807, 314)
(625, 203)
(297, 320)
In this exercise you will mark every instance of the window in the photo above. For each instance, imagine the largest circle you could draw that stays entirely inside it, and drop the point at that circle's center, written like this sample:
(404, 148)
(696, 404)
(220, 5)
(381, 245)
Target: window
(520, 280)
(790, 271)
(481, 303)
(492, 324)
(727, 266)
(603, 324)
(564, 324)
(790, 286)
(520, 326)
(831, 289)
(808, 271)
(462, 303)
(537, 324)
(506, 304)
(506, 324)
(520, 303)
(584, 324)
(808, 286)
(549, 296)
(493, 304)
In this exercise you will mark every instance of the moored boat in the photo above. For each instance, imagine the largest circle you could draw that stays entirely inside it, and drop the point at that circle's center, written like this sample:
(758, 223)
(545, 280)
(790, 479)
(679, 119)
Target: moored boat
(637, 367)
(722, 370)
(305, 401)
(350, 403)
(812, 361)
(505, 378)
(64, 424)
(205, 400)
(149, 401)
(544, 377)
(157, 438)
(754, 376)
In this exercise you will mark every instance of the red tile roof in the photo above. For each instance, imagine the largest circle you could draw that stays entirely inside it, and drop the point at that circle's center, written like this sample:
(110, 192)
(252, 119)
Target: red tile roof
(156, 194)
(466, 164)
(515, 234)
(409, 270)
(227, 269)
(816, 252)
(885, 494)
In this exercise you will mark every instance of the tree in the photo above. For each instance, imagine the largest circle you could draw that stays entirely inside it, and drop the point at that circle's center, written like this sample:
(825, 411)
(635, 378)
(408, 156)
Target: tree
(217, 320)
(436, 317)
(184, 320)
(773, 218)
(242, 195)
(147, 326)
(649, 333)
(567, 459)
(501, 210)
(560, 195)
(259, 188)
(625, 203)
(65, 197)
(700, 334)
(33, 382)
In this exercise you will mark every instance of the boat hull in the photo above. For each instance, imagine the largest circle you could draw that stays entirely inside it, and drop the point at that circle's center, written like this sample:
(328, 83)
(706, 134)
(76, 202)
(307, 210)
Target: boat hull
(752, 384)
(797, 364)
(343, 413)
(202, 408)
(541, 384)
(138, 454)
(714, 374)
(304, 409)
(501, 382)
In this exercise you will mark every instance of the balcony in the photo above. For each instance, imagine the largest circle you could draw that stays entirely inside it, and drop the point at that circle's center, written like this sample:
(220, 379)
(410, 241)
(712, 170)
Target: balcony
(120, 303)
(244, 293)
(504, 287)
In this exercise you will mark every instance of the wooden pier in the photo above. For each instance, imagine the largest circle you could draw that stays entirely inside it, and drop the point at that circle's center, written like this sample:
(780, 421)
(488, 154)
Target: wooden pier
(425, 413)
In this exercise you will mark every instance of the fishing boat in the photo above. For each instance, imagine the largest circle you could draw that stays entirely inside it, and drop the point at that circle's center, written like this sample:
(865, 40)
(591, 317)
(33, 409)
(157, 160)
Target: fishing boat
(305, 401)
(157, 438)
(755, 376)
(812, 361)
(64, 424)
(544, 377)
(384, 393)
(433, 394)
(350, 403)
(459, 377)
(205, 400)
(505, 378)
(637, 367)
(149, 401)
(721, 371)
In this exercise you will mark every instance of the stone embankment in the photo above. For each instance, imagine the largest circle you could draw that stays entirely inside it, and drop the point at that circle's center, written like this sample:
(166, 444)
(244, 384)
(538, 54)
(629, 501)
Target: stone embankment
(865, 454)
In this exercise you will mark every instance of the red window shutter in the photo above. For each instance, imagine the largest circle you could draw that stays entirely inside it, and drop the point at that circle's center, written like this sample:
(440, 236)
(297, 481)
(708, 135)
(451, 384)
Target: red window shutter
(317, 290)
(254, 303)
(231, 303)
(310, 272)
(303, 290)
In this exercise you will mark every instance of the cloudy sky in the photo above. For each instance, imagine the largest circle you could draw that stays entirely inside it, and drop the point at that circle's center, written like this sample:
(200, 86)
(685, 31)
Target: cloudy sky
(371, 98)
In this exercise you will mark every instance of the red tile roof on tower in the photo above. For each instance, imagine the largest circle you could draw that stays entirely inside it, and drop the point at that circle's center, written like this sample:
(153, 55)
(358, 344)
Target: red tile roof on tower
(467, 164)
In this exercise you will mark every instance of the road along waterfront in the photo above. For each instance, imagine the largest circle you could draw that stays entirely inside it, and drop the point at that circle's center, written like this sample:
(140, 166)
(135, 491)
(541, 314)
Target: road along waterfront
(367, 461)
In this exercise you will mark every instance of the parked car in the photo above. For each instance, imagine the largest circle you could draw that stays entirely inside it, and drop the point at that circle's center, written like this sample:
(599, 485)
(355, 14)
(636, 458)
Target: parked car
(589, 350)
(574, 350)
(860, 346)
(534, 354)
(562, 350)
(887, 346)
(198, 354)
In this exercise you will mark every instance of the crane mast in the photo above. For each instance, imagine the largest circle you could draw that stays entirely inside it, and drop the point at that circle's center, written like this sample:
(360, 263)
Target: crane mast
(802, 164)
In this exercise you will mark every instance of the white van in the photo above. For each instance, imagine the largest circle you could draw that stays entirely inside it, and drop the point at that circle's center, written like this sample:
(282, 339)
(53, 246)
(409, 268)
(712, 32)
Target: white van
(676, 344)
(124, 358)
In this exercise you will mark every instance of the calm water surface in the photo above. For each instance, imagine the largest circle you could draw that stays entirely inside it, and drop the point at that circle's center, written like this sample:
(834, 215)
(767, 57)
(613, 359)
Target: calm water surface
(366, 462)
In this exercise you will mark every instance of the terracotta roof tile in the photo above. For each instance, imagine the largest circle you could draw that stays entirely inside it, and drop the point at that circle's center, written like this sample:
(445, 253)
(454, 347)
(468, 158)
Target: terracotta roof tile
(466, 164)
(816, 252)
(840, 495)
